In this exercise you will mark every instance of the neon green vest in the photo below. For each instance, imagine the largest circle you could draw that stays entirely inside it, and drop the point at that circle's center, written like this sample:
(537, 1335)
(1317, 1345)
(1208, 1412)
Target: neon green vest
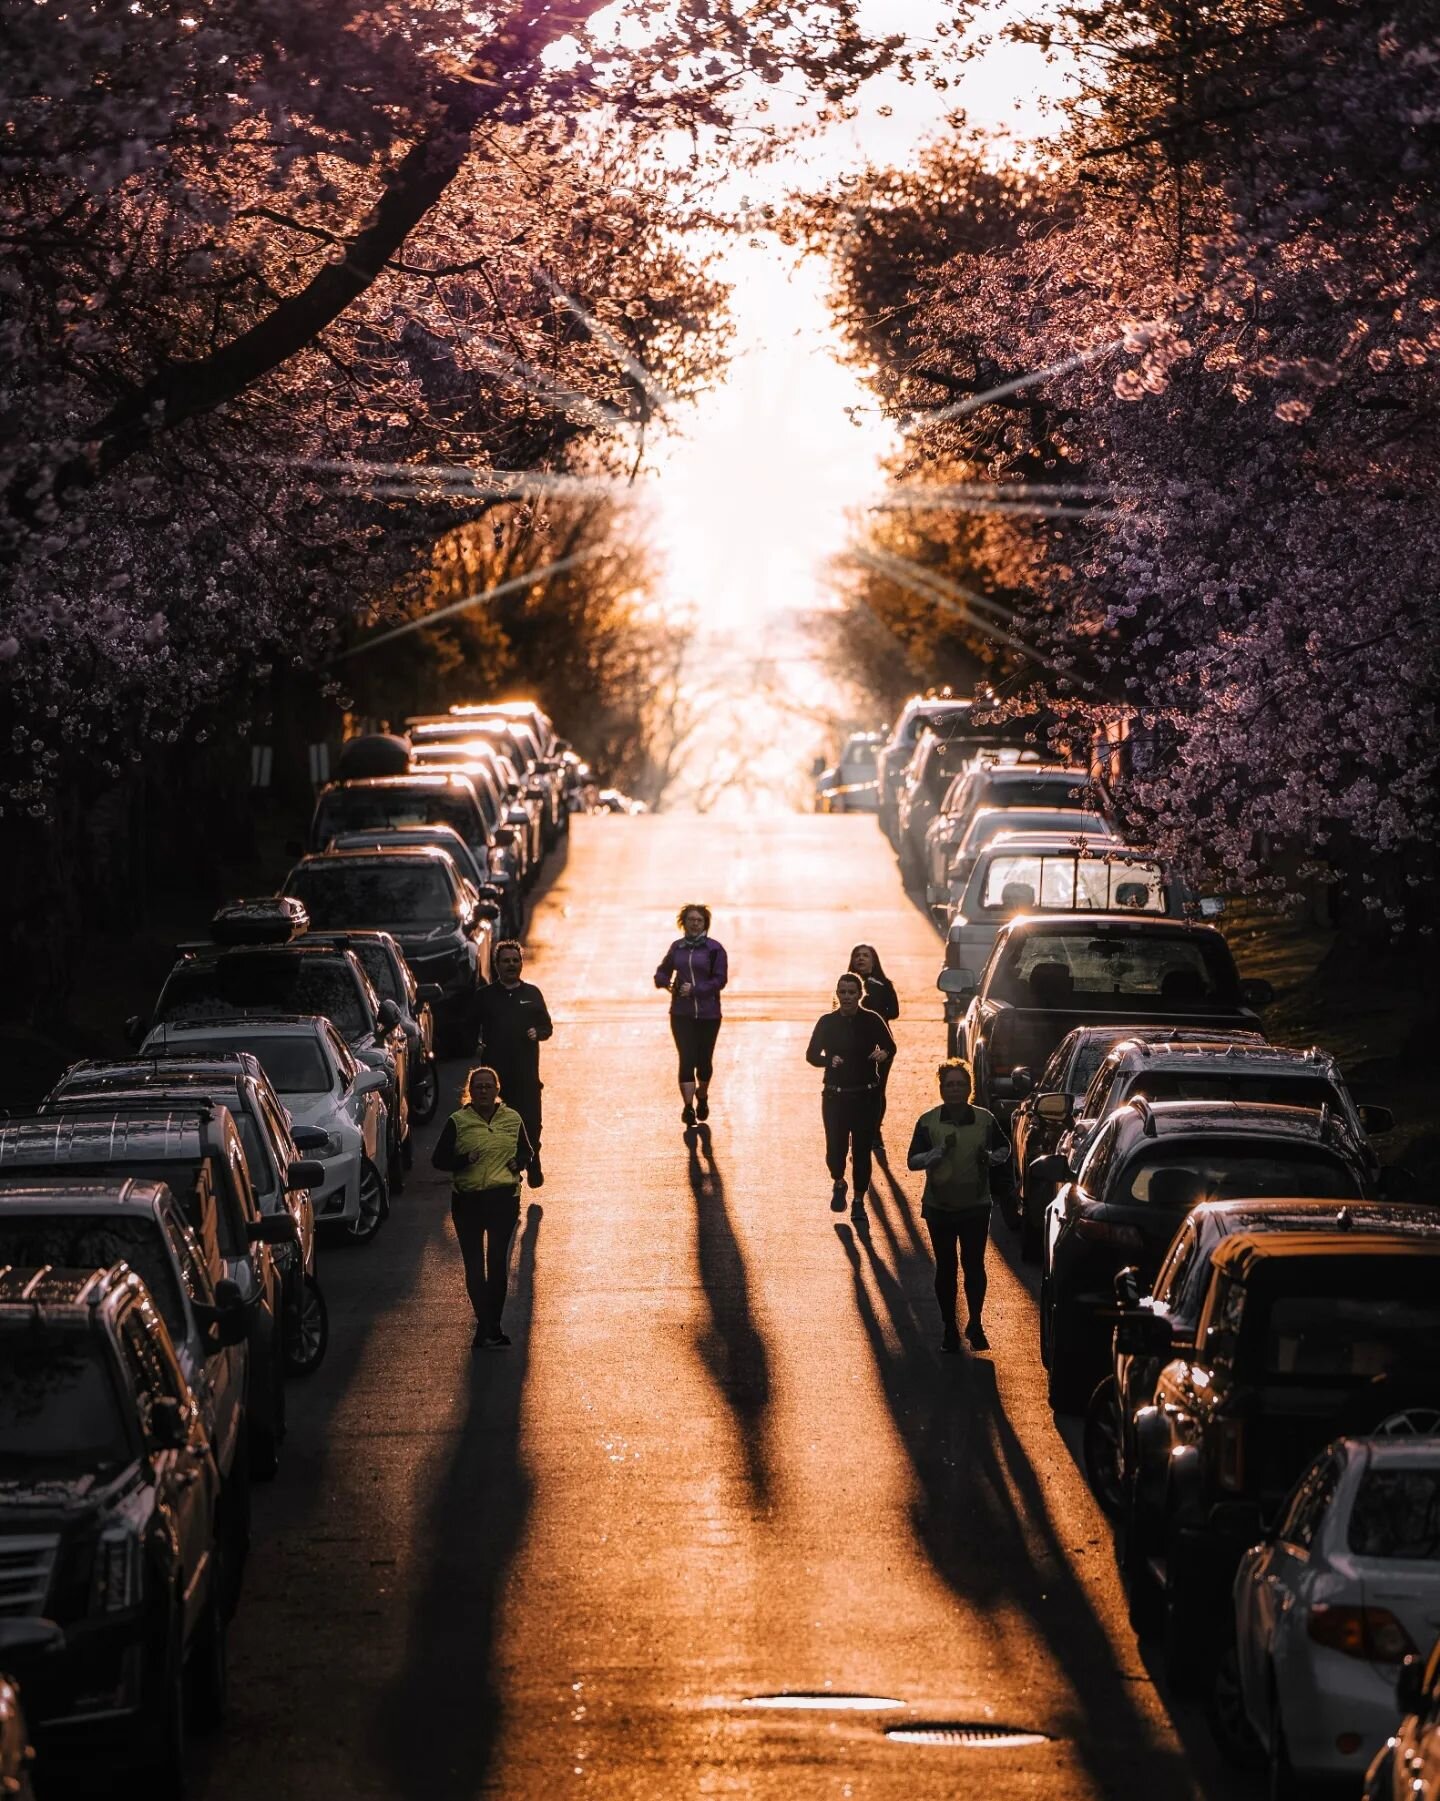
(961, 1179)
(498, 1142)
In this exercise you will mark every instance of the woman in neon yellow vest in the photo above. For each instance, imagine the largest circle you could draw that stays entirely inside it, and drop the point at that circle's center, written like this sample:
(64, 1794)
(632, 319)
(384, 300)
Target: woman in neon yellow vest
(485, 1147)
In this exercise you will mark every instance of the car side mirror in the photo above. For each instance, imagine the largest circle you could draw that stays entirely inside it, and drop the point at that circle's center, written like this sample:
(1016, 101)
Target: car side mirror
(389, 1015)
(305, 1172)
(229, 1320)
(1144, 1333)
(1377, 1120)
(504, 836)
(1055, 1106)
(165, 1423)
(429, 994)
(1021, 1081)
(274, 1228)
(959, 982)
(135, 1030)
(486, 910)
(1255, 991)
(489, 892)
(1049, 1172)
(371, 1081)
(1127, 1287)
(1410, 1685)
(309, 1138)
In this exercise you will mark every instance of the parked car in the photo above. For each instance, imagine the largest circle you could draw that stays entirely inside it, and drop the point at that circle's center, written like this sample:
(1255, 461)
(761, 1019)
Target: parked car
(1407, 1766)
(325, 1092)
(193, 1147)
(443, 837)
(1013, 874)
(1329, 1604)
(280, 1176)
(297, 977)
(849, 784)
(82, 1220)
(1270, 1074)
(445, 930)
(386, 802)
(1047, 975)
(1063, 829)
(920, 713)
(110, 1536)
(1302, 1338)
(1146, 1167)
(393, 979)
(1041, 1118)
(482, 763)
(987, 783)
(482, 732)
(1176, 1298)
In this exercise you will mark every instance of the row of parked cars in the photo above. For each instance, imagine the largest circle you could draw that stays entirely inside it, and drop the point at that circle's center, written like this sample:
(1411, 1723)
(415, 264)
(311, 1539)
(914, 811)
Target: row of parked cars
(161, 1215)
(1239, 1300)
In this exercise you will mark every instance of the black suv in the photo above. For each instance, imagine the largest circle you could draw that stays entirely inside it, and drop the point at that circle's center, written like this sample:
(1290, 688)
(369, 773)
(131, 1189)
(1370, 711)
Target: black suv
(1303, 1337)
(115, 1578)
(195, 1149)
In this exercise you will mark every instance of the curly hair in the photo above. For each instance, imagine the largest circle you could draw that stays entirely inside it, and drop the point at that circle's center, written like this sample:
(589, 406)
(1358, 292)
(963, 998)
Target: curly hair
(693, 907)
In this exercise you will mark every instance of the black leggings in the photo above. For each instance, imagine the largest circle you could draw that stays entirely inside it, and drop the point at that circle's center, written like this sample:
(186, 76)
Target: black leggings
(849, 1119)
(695, 1041)
(958, 1240)
(485, 1221)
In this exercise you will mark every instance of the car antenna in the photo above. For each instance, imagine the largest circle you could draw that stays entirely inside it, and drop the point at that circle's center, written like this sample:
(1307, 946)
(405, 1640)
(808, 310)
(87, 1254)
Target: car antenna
(1344, 1220)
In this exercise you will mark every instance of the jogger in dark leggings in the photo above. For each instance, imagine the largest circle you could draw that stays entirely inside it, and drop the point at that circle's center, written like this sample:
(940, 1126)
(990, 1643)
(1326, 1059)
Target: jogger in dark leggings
(693, 971)
(695, 1042)
(852, 1045)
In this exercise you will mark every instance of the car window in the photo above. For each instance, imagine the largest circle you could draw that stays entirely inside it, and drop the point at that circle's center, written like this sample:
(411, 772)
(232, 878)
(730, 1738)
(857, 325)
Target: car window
(284, 984)
(1180, 1175)
(189, 1260)
(1352, 1337)
(1100, 1098)
(60, 1408)
(1092, 1051)
(1263, 1087)
(156, 1373)
(1306, 1509)
(77, 1241)
(348, 809)
(257, 1152)
(277, 1130)
(1177, 1266)
(376, 962)
(344, 1061)
(375, 895)
(1397, 1514)
(1061, 969)
(237, 1201)
(1096, 1165)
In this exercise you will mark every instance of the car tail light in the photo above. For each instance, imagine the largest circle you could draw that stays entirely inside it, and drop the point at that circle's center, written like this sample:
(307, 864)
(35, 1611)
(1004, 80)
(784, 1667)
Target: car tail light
(1230, 1455)
(1109, 1232)
(1370, 1632)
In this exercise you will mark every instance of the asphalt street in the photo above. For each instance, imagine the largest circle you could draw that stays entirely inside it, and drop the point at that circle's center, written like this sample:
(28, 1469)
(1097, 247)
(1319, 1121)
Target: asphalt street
(724, 1459)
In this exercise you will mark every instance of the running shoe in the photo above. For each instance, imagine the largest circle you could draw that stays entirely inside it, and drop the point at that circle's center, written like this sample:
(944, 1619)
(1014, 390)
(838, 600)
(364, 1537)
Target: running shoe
(497, 1341)
(837, 1198)
(975, 1332)
(702, 1107)
(951, 1340)
(536, 1174)
(687, 1114)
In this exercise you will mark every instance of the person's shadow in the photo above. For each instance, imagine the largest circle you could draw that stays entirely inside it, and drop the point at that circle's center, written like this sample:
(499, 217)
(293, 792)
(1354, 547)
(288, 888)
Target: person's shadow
(732, 1348)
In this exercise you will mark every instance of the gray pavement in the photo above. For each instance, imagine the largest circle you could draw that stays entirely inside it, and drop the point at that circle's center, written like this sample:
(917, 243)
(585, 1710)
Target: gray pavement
(724, 1458)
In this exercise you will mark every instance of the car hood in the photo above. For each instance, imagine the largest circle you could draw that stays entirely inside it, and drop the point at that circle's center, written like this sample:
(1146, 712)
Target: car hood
(432, 937)
(59, 1505)
(311, 1109)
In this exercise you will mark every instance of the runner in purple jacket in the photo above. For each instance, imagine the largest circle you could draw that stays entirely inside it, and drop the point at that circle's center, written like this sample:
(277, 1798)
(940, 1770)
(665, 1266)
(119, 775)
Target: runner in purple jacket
(693, 971)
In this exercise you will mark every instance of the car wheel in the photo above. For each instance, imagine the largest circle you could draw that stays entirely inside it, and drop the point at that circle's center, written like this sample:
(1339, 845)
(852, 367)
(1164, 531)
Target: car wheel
(1101, 1444)
(1229, 1722)
(206, 1668)
(1186, 1616)
(374, 1205)
(309, 1333)
(425, 1094)
(160, 1761)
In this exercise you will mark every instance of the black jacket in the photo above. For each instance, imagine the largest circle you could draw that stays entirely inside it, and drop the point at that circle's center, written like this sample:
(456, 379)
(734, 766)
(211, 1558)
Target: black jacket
(506, 1016)
(852, 1038)
(880, 997)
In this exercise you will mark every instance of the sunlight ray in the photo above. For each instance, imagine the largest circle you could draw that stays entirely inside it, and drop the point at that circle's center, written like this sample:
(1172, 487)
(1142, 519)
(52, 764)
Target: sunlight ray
(972, 402)
(658, 396)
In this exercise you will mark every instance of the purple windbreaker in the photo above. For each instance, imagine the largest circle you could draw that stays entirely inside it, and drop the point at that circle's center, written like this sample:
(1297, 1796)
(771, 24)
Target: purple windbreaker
(706, 968)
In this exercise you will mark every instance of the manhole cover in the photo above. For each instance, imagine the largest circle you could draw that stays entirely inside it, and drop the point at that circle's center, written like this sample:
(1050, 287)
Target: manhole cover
(969, 1735)
(824, 1700)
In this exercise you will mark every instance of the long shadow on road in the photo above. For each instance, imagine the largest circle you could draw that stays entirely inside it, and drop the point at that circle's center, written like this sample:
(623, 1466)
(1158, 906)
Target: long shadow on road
(983, 1521)
(733, 1350)
(437, 1727)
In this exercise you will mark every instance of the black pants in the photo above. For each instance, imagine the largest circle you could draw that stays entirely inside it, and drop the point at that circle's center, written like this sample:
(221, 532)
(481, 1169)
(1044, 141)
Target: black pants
(959, 1240)
(485, 1222)
(695, 1042)
(521, 1090)
(849, 1117)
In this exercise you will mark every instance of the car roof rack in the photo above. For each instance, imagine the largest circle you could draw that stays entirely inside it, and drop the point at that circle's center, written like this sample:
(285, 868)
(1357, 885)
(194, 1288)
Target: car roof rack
(1146, 1113)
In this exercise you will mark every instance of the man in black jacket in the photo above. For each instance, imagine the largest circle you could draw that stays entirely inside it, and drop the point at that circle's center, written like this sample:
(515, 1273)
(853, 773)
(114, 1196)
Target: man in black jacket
(514, 1022)
(852, 1045)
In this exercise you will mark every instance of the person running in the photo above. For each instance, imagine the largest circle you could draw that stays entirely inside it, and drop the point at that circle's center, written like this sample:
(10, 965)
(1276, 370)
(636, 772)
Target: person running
(957, 1145)
(514, 1023)
(694, 970)
(881, 998)
(852, 1045)
(484, 1145)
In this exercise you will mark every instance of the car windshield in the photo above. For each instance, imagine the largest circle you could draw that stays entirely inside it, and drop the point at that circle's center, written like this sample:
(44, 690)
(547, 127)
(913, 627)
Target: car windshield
(1397, 1514)
(1067, 883)
(1153, 971)
(379, 895)
(1354, 1337)
(77, 1241)
(246, 983)
(348, 809)
(60, 1413)
(1265, 1087)
(184, 1182)
(1180, 1177)
(859, 752)
(294, 1063)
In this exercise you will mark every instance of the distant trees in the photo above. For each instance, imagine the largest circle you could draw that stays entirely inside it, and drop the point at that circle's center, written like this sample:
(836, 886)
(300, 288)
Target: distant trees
(1230, 264)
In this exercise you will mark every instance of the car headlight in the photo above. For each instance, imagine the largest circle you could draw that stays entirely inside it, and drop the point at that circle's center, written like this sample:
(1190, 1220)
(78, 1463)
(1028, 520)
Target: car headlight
(115, 1582)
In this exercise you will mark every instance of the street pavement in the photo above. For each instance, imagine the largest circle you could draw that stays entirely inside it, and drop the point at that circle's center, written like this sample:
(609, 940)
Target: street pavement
(724, 1459)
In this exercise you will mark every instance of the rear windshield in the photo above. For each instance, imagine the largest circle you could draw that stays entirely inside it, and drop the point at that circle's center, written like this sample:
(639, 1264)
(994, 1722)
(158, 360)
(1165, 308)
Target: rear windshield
(1182, 1177)
(75, 1242)
(1058, 970)
(862, 754)
(356, 809)
(295, 1064)
(1255, 1085)
(987, 825)
(374, 895)
(375, 961)
(1397, 1514)
(60, 1413)
(262, 984)
(1071, 884)
(1061, 790)
(1356, 1338)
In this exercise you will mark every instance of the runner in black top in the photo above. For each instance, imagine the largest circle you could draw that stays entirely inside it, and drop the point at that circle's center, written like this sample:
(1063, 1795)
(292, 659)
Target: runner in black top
(852, 1045)
(514, 1023)
(880, 997)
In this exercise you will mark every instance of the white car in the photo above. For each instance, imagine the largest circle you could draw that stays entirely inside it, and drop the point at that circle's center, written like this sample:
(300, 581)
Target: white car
(1341, 1591)
(999, 779)
(323, 1087)
(848, 786)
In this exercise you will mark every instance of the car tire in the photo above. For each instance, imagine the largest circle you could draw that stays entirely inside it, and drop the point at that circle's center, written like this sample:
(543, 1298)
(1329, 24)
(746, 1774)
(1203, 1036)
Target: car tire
(1069, 1387)
(1230, 1726)
(207, 1667)
(374, 1205)
(309, 1334)
(425, 1095)
(1101, 1447)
